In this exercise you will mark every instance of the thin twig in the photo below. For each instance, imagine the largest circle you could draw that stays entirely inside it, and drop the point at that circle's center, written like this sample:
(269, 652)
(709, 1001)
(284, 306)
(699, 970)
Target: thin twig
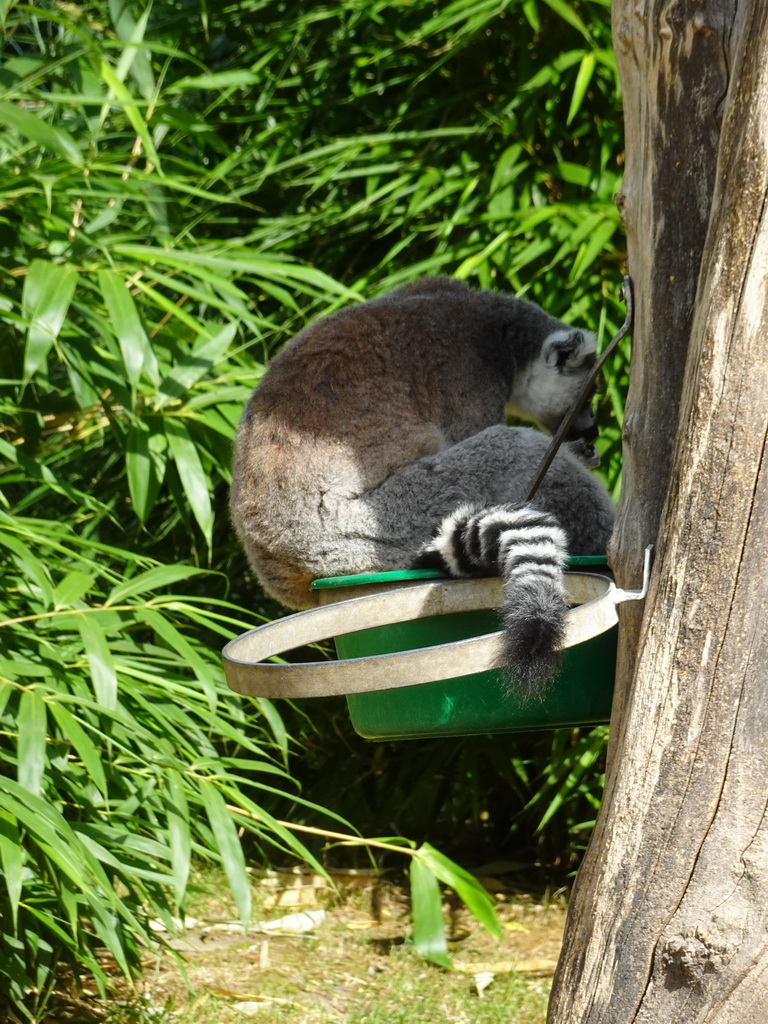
(343, 837)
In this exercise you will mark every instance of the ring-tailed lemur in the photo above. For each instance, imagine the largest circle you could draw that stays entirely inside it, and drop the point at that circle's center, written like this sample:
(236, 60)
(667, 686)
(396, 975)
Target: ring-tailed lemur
(382, 426)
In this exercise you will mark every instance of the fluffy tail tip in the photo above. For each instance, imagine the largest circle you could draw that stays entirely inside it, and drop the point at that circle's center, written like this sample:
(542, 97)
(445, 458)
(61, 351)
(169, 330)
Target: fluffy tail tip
(531, 645)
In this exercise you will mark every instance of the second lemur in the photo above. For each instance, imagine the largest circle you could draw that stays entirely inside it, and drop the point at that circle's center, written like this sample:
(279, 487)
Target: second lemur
(377, 441)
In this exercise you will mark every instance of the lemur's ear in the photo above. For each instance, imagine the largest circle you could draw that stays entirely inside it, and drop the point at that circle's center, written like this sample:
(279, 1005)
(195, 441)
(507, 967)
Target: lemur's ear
(568, 348)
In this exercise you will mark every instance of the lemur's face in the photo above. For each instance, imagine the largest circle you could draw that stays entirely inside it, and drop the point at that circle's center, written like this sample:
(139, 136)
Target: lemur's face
(546, 388)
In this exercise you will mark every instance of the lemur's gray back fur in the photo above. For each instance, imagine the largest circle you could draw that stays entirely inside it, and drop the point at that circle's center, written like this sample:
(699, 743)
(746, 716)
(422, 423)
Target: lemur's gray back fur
(375, 423)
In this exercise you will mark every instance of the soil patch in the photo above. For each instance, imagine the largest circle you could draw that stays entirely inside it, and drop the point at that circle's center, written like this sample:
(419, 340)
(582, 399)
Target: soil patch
(315, 955)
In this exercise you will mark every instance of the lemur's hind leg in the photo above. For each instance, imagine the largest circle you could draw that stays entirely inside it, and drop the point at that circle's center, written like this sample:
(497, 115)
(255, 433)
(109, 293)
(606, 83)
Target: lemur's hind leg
(493, 467)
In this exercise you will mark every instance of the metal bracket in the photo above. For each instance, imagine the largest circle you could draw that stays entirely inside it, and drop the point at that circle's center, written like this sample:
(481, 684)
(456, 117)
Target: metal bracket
(620, 596)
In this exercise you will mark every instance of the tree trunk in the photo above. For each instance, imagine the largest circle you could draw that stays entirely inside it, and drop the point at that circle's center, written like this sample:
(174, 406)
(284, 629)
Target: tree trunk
(669, 918)
(675, 70)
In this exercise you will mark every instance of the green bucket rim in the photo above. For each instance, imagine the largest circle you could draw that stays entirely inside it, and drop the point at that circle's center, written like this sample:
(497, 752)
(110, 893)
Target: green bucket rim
(403, 575)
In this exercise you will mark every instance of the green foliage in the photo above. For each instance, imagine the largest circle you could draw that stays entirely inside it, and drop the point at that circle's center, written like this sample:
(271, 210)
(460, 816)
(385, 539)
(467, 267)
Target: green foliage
(428, 868)
(181, 188)
(524, 801)
(121, 751)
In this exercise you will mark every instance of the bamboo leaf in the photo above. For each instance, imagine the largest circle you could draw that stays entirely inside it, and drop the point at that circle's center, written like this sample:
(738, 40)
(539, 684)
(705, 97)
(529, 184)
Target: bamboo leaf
(216, 80)
(552, 72)
(100, 662)
(30, 565)
(145, 461)
(241, 261)
(192, 475)
(5, 7)
(276, 724)
(179, 835)
(583, 78)
(188, 371)
(133, 59)
(466, 886)
(229, 847)
(49, 829)
(574, 174)
(72, 588)
(31, 723)
(178, 643)
(11, 861)
(153, 579)
(134, 345)
(48, 291)
(594, 247)
(34, 128)
(568, 14)
(529, 253)
(138, 465)
(591, 249)
(531, 13)
(469, 266)
(258, 820)
(106, 926)
(132, 111)
(427, 912)
(141, 867)
(85, 749)
(509, 166)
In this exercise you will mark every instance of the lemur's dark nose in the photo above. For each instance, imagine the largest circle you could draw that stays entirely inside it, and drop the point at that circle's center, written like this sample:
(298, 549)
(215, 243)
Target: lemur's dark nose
(584, 429)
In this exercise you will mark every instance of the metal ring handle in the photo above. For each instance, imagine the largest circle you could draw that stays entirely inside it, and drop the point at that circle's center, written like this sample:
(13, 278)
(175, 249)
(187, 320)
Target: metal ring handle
(248, 672)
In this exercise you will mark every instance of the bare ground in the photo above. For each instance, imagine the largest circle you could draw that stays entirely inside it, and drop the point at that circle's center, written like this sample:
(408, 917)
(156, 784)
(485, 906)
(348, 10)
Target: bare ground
(354, 964)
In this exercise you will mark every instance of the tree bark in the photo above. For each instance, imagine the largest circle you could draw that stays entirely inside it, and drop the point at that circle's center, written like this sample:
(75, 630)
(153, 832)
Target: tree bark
(674, 64)
(669, 917)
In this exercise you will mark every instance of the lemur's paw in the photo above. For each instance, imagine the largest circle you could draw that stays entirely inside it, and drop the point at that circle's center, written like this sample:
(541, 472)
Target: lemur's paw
(584, 452)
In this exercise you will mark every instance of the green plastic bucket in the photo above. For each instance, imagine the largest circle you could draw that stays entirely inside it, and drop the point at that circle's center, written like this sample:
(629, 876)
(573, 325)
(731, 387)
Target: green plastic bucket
(480, 703)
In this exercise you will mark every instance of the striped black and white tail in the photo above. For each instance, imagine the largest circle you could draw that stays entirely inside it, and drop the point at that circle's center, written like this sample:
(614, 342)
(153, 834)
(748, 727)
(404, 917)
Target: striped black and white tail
(527, 549)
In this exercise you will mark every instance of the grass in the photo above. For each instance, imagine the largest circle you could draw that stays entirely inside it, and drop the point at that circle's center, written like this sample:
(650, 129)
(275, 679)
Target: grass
(358, 967)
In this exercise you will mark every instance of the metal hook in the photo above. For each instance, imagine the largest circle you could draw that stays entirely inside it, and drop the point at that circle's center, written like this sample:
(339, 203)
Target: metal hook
(637, 595)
